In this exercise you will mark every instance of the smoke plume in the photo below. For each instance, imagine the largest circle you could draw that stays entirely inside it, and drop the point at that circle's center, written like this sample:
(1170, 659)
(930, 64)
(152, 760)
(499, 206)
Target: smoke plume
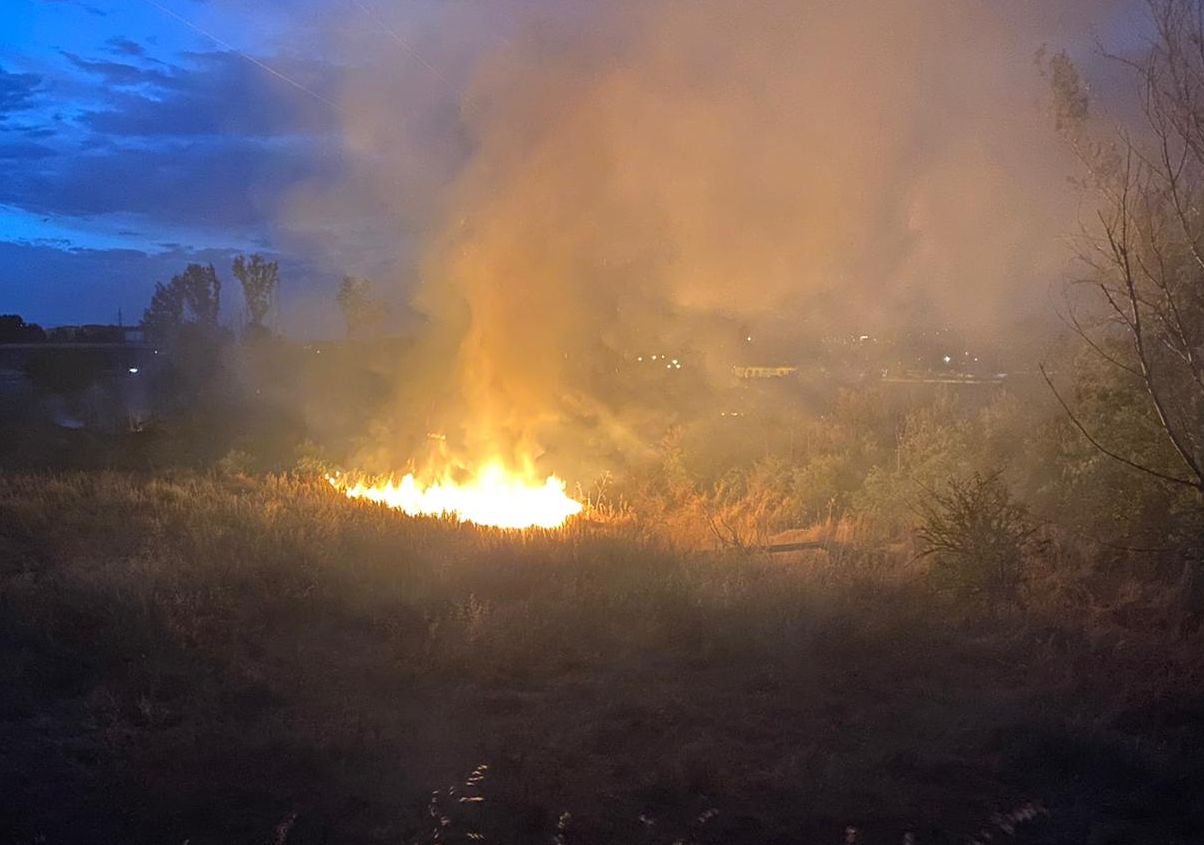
(568, 185)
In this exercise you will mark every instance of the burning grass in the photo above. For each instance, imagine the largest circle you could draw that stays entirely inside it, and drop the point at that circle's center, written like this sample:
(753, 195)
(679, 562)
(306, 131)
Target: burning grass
(493, 496)
(187, 658)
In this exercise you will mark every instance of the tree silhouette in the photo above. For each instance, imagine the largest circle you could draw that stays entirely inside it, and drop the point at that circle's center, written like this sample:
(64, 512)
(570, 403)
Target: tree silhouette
(165, 314)
(190, 299)
(202, 291)
(13, 329)
(259, 280)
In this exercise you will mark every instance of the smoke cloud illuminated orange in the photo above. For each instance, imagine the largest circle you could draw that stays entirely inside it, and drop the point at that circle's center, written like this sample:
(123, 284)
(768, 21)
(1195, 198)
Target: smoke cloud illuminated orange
(585, 179)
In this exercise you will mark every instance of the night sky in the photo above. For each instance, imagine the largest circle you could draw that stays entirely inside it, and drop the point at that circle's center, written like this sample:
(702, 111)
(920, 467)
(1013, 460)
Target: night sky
(132, 143)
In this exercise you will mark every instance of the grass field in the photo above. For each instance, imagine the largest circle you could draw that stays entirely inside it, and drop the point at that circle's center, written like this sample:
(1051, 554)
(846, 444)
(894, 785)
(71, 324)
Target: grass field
(189, 659)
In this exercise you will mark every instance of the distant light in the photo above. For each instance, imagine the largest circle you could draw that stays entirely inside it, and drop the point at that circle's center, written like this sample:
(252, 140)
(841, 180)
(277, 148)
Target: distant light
(864, 338)
(749, 338)
(668, 366)
(156, 351)
(641, 358)
(675, 362)
(318, 351)
(947, 359)
(133, 371)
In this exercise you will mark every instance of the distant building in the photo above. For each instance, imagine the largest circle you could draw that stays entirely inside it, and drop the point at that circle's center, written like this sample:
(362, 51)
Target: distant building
(764, 372)
(95, 333)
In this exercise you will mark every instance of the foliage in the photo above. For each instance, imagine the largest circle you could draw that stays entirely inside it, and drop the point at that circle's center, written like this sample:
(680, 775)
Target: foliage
(977, 536)
(201, 291)
(934, 441)
(165, 314)
(1070, 99)
(260, 279)
(13, 329)
(191, 301)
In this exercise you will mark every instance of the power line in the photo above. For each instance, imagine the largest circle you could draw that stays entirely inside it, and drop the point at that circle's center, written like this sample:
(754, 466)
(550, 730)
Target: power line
(228, 46)
(406, 45)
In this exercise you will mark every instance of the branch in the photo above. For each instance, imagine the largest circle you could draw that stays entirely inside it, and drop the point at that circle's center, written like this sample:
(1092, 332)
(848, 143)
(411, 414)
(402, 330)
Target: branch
(1185, 482)
(1072, 320)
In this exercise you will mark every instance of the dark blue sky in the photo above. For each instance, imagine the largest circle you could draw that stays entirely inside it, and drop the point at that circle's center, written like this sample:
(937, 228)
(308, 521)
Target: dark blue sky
(131, 143)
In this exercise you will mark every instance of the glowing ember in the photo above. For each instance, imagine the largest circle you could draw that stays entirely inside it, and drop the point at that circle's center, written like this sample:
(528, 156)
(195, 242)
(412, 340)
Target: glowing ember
(493, 497)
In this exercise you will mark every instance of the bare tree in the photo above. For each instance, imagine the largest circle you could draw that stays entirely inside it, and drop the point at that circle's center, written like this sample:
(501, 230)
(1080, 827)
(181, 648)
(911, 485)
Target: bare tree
(259, 279)
(977, 535)
(1144, 247)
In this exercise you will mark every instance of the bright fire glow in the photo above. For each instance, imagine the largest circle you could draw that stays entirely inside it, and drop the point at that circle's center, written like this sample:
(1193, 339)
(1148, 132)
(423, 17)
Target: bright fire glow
(493, 496)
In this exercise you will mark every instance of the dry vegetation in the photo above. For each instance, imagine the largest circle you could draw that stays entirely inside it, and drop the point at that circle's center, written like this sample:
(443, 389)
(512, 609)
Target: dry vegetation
(189, 658)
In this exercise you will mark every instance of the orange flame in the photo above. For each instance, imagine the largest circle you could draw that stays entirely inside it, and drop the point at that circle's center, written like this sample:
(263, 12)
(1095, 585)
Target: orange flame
(492, 496)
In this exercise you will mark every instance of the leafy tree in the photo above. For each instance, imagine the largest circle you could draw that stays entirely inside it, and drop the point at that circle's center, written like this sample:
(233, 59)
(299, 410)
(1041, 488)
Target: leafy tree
(202, 292)
(13, 329)
(363, 312)
(165, 314)
(191, 299)
(259, 280)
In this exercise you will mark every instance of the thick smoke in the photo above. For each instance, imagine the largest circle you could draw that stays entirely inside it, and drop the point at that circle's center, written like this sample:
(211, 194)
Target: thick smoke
(572, 184)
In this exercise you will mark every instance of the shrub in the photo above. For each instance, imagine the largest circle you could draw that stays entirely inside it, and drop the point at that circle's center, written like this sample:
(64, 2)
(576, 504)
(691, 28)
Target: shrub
(977, 536)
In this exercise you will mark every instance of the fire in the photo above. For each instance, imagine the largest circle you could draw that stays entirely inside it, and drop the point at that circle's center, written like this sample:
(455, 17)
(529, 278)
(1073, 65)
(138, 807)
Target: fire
(492, 496)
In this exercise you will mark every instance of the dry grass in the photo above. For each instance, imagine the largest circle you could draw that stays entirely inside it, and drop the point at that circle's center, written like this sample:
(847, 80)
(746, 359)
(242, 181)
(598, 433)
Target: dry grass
(188, 658)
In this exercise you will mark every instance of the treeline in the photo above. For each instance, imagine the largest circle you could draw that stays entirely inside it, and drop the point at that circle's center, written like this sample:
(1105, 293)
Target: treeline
(191, 302)
(202, 391)
(252, 398)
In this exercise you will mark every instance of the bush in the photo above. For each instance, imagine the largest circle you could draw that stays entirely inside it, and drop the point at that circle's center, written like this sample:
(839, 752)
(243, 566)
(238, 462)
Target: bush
(977, 536)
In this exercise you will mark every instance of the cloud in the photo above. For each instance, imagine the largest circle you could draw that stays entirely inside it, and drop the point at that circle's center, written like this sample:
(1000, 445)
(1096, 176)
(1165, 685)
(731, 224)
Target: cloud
(125, 47)
(118, 73)
(17, 91)
(32, 131)
(87, 7)
(23, 151)
(211, 144)
(235, 184)
(217, 93)
(195, 147)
